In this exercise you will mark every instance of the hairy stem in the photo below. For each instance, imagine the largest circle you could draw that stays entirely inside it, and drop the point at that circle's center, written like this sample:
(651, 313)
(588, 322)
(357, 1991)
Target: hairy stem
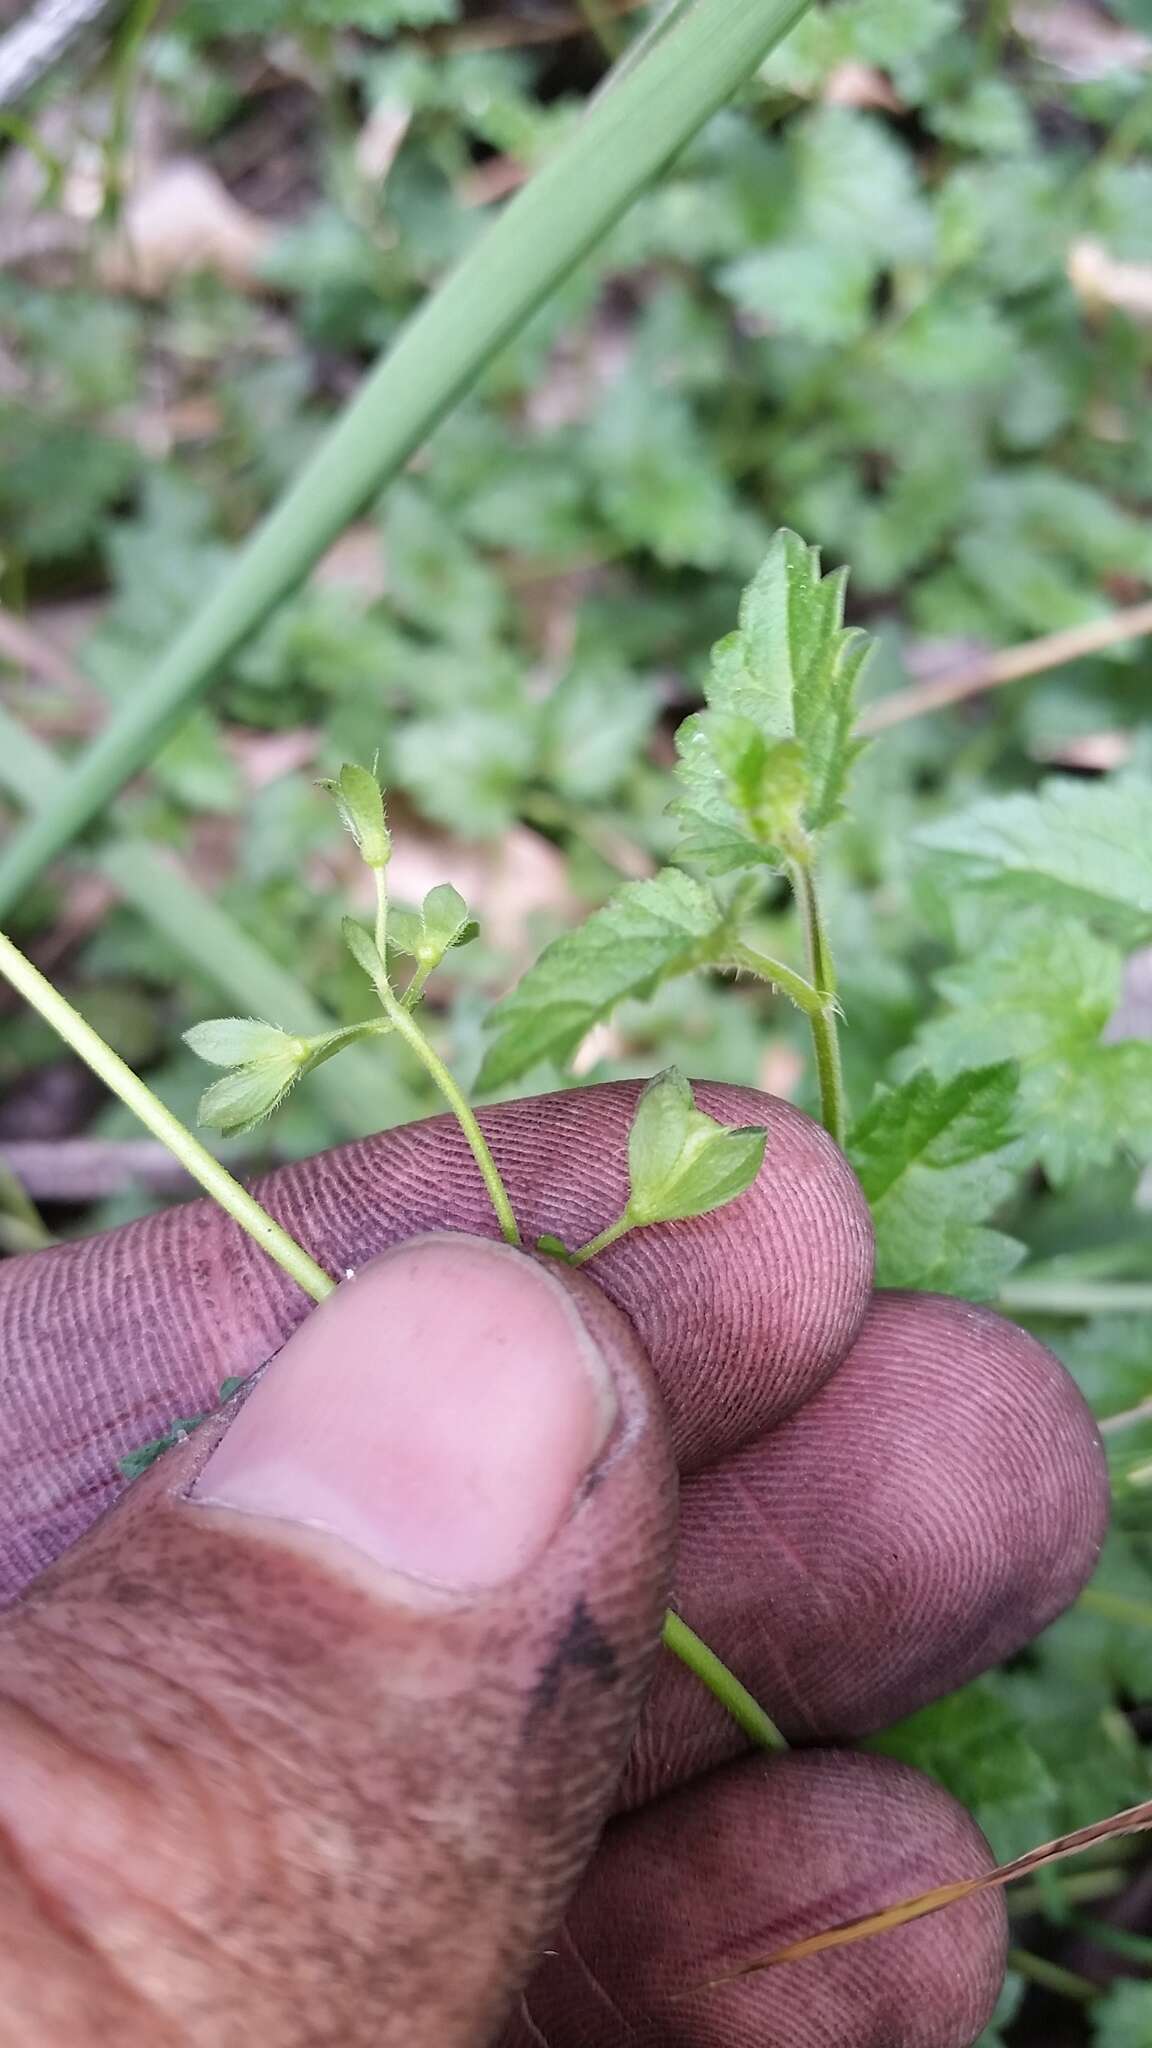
(407, 1028)
(138, 1097)
(799, 991)
(823, 1019)
(721, 1683)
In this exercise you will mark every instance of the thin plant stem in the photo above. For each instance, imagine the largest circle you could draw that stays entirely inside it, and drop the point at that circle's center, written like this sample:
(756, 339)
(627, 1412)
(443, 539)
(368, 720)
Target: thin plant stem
(601, 1241)
(624, 140)
(1053, 1976)
(1116, 1606)
(822, 1020)
(1007, 665)
(291, 1257)
(1087, 1885)
(196, 1159)
(799, 991)
(354, 1090)
(407, 1028)
(721, 1683)
(1076, 1297)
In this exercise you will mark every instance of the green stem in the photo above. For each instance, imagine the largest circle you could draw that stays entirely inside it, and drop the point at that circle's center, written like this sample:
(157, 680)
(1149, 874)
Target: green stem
(134, 1093)
(603, 1238)
(1116, 1606)
(1076, 1297)
(1053, 1977)
(806, 998)
(407, 1028)
(823, 1021)
(721, 1683)
(1080, 1884)
(295, 1261)
(624, 140)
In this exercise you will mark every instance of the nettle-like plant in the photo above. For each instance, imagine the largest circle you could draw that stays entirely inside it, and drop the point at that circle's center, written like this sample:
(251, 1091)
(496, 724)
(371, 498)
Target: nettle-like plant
(762, 773)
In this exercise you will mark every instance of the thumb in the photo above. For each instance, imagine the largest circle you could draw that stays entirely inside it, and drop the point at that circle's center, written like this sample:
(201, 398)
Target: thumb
(308, 1740)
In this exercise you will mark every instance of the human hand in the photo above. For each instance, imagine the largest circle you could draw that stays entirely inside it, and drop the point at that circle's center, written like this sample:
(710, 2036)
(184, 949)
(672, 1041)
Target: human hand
(265, 1777)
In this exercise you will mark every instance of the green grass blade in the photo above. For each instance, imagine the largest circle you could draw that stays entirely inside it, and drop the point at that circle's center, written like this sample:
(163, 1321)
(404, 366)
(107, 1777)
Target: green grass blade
(625, 138)
(358, 1090)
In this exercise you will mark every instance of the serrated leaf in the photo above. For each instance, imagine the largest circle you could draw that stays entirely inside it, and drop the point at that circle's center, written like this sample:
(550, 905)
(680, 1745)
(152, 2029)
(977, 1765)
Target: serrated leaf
(765, 766)
(647, 933)
(243, 1098)
(1041, 991)
(976, 1744)
(239, 1041)
(935, 1159)
(1081, 848)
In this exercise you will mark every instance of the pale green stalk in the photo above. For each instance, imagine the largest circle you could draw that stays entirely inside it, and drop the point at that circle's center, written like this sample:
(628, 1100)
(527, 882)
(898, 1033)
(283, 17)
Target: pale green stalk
(406, 1027)
(601, 1241)
(138, 1097)
(1076, 1297)
(823, 1019)
(799, 991)
(626, 137)
(721, 1683)
(359, 1092)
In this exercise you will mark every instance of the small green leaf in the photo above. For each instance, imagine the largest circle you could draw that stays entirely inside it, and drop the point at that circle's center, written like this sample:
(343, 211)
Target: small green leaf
(240, 1041)
(645, 934)
(406, 932)
(976, 1744)
(445, 921)
(682, 1163)
(243, 1098)
(362, 947)
(935, 1159)
(1083, 848)
(659, 1130)
(554, 1248)
(765, 766)
(1041, 990)
(360, 802)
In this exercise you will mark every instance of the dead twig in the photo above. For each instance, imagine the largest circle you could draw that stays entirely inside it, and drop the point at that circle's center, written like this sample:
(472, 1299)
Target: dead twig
(1009, 665)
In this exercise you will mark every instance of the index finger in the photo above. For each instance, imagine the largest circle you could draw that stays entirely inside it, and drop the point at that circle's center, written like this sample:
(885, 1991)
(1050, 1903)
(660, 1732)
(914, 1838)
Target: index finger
(743, 1313)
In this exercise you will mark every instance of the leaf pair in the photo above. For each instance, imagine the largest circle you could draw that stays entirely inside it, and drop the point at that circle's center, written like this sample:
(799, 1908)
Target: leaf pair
(762, 770)
(682, 1163)
(265, 1065)
(442, 922)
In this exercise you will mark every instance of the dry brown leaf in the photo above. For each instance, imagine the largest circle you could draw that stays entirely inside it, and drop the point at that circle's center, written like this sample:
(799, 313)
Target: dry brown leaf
(508, 883)
(182, 220)
(355, 562)
(1092, 752)
(1100, 279)
(1131, 1821)
(264, 757)
(380, 139)
(1081, 40)
(781, 1069)
(861, 85)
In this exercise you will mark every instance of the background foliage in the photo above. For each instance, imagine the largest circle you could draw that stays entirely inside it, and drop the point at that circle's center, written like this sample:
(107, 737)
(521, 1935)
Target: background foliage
(899, 298)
